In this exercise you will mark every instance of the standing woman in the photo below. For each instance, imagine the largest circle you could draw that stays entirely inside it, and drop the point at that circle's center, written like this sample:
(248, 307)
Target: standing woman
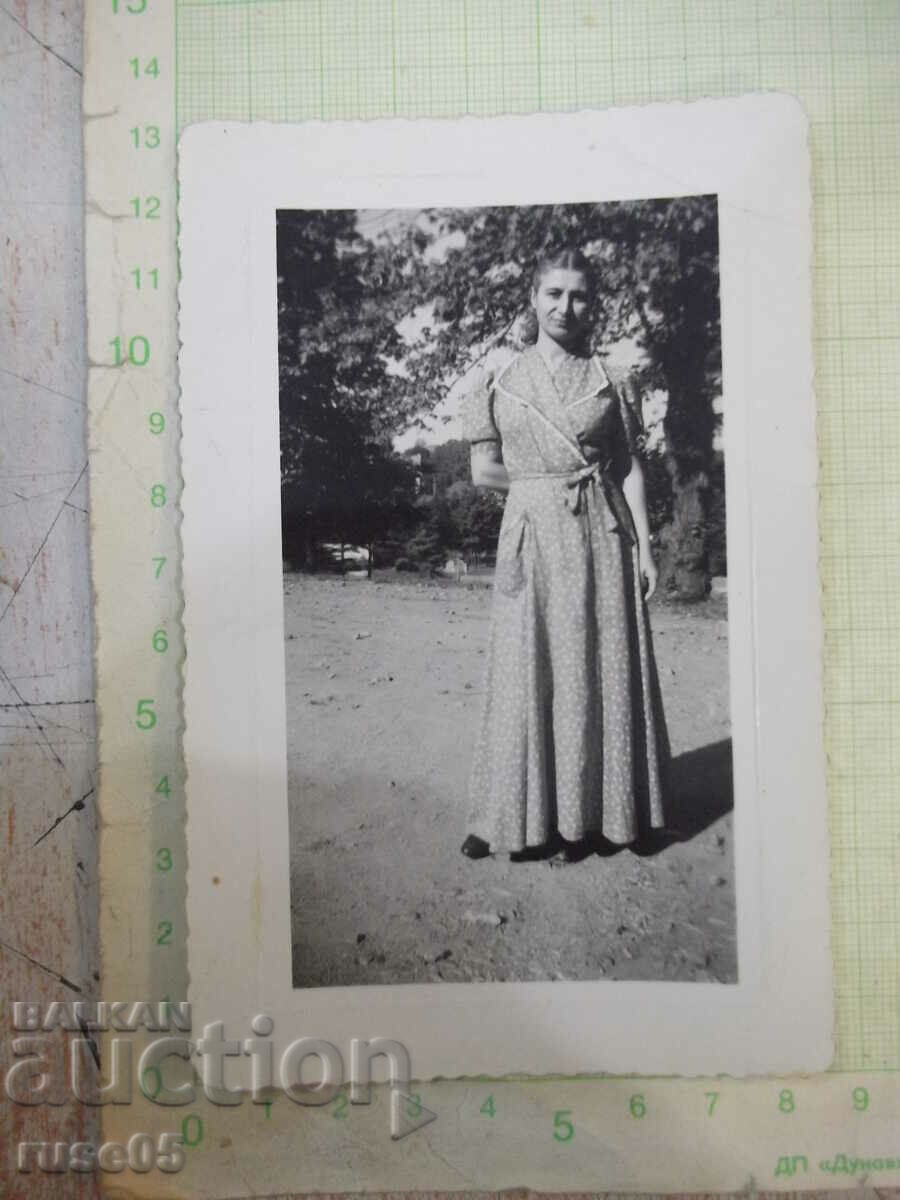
(573, 742)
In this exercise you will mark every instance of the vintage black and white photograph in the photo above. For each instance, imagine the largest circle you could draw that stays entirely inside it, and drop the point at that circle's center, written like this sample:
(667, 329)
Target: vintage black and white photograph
(502, 686)
(505, 593)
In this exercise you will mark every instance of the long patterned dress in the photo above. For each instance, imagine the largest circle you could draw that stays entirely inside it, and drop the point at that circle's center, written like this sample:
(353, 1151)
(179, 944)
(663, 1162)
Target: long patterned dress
(573, 737)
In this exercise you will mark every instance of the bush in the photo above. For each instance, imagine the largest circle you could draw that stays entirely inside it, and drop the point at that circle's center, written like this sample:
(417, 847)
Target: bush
(405, 564)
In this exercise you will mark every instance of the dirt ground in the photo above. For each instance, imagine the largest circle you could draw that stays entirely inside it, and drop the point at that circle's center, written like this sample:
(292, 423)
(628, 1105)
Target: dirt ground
(384, 683)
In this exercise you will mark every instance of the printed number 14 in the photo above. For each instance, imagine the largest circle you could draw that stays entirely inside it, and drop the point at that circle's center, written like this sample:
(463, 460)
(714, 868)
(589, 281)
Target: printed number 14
(151, 68)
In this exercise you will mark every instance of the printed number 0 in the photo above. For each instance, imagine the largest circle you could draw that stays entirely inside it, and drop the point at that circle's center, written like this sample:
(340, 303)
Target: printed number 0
(561, 1122)
(637, 1106)
(197, 1137)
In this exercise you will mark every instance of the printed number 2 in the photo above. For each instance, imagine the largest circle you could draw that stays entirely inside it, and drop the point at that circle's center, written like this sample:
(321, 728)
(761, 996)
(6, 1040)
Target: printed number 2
(563, 1129)
(165, 933)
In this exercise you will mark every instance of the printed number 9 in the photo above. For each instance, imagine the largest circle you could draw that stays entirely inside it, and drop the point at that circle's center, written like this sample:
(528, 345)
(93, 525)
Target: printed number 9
(860, 1099)
(157, 422)
(561, 1122)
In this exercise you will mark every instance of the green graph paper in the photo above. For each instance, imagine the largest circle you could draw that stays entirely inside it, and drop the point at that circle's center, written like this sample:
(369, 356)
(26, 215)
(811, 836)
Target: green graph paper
(294, 60)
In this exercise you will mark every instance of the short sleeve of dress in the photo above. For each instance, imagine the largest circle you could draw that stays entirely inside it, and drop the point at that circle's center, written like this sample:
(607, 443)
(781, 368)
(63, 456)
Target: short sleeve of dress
(630, 411)
(478, 411)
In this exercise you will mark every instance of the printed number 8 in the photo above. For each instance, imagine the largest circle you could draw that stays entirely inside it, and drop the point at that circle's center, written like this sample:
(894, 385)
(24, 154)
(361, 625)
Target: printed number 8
(786, 1100)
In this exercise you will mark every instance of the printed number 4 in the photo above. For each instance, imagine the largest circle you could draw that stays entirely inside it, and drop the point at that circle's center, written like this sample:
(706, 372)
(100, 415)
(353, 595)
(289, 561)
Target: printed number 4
(563, 1129)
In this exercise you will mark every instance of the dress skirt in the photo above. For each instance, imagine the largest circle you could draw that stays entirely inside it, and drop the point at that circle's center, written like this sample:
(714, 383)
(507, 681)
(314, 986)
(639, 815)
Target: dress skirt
(573, 738)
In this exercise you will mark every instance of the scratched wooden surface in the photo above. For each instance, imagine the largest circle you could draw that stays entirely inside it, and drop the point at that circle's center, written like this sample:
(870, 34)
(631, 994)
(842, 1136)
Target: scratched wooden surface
(48, 860)
(47, 755)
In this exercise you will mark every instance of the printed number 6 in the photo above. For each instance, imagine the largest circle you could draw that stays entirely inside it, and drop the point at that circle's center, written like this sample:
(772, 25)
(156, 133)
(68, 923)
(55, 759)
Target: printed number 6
(146, 717)
(561, 1122)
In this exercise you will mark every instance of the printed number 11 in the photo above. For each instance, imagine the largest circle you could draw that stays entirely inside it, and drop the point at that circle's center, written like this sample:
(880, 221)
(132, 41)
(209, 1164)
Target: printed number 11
(152, 274)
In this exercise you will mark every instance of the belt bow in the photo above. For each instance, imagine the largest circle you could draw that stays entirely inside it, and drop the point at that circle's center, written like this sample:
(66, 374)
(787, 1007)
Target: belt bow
(578, 482)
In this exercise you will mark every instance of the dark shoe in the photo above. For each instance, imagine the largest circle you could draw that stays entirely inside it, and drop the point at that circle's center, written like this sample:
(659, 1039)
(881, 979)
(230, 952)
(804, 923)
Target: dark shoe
(475, 847)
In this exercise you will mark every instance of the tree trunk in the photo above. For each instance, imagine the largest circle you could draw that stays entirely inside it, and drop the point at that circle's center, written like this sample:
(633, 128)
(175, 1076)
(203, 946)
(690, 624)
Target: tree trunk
(688, 427)
(684, 568)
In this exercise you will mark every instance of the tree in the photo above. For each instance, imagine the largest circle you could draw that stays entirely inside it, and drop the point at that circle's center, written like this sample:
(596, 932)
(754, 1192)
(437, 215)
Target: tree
(658, 265)
(351, 377)
(340, 299)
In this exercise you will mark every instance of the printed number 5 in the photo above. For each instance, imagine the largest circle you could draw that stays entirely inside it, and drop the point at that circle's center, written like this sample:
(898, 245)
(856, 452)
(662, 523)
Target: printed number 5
(146, 717)
(563, 1129)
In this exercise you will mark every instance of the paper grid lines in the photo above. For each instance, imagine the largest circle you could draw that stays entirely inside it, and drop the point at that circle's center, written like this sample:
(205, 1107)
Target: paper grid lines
(292, 60)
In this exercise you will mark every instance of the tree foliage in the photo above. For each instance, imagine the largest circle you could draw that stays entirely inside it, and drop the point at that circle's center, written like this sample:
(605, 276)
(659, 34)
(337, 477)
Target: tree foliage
(374, 332)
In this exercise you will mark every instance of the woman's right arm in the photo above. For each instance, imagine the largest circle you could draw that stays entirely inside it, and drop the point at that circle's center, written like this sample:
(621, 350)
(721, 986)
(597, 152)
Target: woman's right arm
(487, 467)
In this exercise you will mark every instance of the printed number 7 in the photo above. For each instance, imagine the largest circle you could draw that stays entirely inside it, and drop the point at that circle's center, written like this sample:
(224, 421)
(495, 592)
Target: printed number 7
(711, 1098)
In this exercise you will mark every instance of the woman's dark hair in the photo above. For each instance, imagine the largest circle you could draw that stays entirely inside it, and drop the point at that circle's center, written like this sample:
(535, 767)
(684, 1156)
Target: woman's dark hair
(569, 258)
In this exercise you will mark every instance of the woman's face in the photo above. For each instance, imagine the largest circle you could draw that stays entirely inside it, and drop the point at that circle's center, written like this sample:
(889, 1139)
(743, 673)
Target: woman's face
(561, 301)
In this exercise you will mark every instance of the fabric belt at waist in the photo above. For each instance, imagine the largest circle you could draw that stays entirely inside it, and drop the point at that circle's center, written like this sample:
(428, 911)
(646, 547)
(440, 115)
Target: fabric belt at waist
(578, 483)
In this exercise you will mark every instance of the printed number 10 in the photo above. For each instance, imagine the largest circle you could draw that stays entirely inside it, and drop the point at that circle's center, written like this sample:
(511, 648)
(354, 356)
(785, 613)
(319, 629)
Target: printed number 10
(138, 351)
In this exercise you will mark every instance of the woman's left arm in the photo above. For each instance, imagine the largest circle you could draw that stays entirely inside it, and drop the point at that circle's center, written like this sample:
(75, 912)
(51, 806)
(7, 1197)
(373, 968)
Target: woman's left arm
(636, 495)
